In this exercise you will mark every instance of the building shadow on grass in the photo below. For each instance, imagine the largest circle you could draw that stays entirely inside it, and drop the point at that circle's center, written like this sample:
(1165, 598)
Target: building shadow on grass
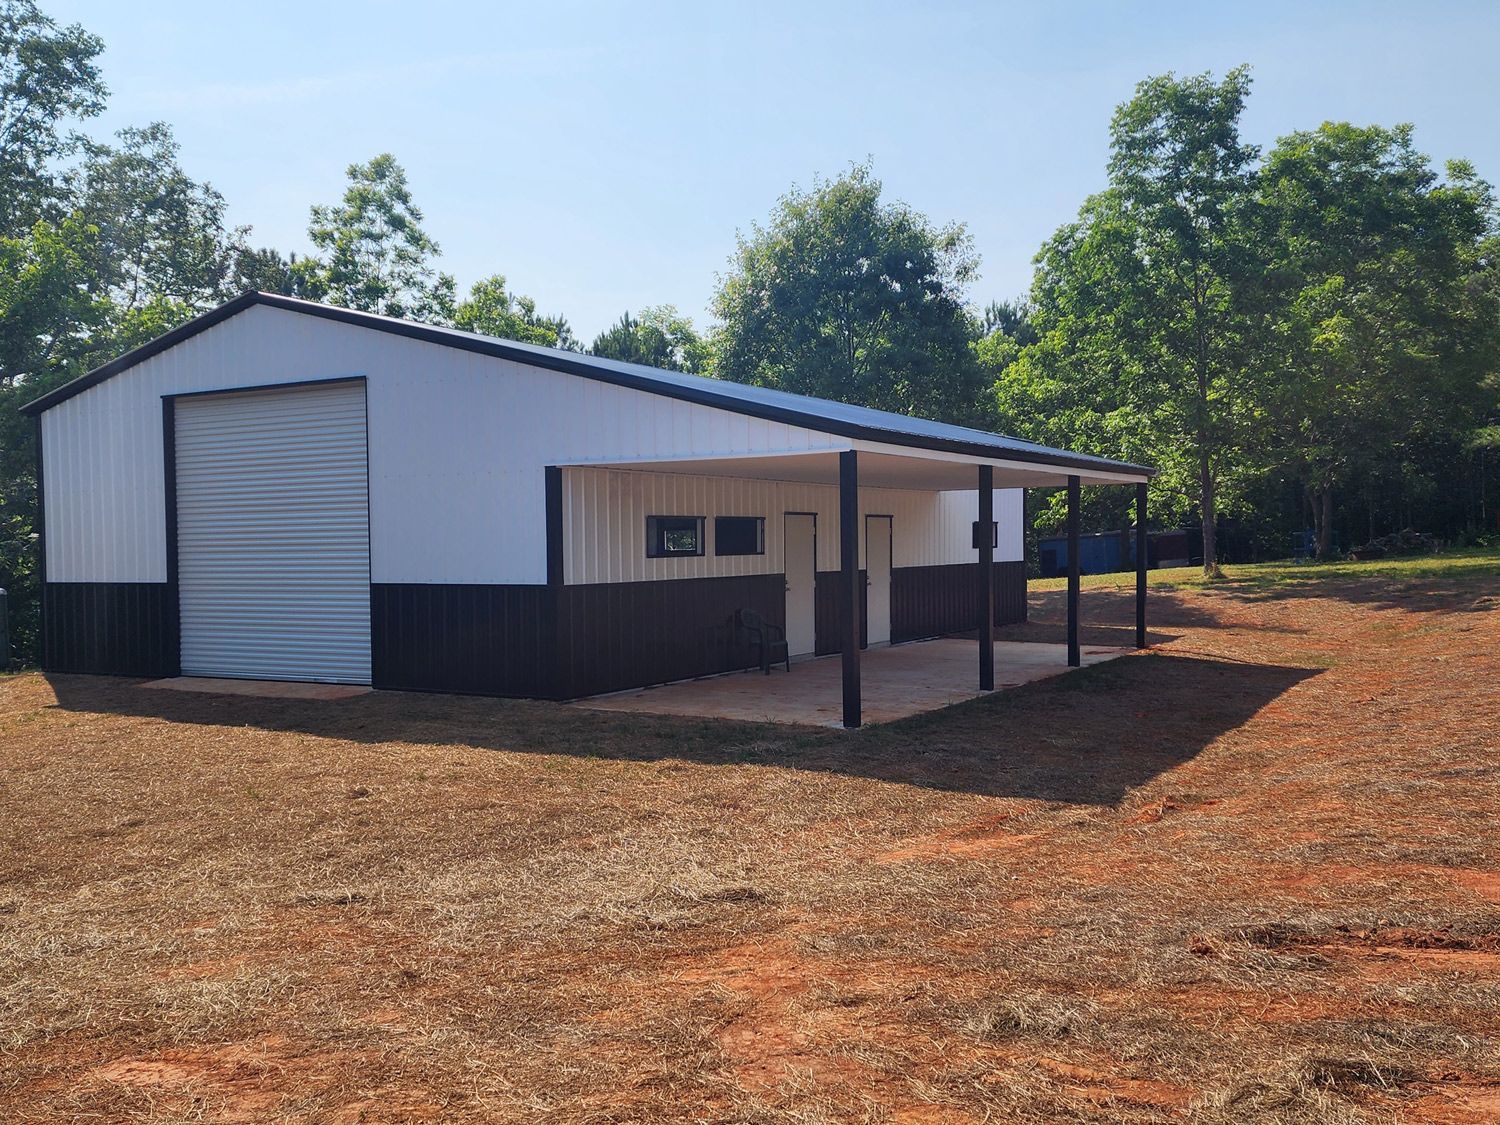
(1086, 738)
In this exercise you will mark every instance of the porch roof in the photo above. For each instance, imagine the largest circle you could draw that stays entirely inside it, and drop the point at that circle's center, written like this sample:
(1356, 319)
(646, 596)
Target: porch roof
(881, 466)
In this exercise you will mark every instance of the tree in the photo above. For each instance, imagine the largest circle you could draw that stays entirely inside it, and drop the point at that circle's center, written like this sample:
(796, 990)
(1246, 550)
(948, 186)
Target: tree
(47, 75)
(47, 314)
(492, 310)
(269, 271)
(46, 311)
(848, 297)
(376, 256)
(1013, 318)
(660, 337)
(1380, 343)
(1146, 305)
(47, 318)
(160, 236)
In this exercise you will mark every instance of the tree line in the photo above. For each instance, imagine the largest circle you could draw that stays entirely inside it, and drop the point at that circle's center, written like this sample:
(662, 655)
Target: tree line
(1302, 338)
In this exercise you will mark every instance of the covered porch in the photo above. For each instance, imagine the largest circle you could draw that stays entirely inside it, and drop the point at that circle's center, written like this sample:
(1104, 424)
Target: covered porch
(896, 682)
(871, 680)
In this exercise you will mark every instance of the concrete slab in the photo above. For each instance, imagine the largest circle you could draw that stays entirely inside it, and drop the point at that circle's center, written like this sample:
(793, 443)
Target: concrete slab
(897, 682)
(261, 689)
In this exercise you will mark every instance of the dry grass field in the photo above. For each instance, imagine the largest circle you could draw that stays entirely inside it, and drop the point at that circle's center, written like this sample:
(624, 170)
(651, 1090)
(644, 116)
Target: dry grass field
(1251, 875)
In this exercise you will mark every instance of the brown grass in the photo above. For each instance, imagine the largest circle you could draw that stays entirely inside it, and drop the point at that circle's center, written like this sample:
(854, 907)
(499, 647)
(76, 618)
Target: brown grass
(1253, 875)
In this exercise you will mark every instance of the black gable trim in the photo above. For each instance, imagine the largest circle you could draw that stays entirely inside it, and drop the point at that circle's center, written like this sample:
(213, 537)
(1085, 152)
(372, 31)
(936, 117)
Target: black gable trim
(584, 367)
(141, 354)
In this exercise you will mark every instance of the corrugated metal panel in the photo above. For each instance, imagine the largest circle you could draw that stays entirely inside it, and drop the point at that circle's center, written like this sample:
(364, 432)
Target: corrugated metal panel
(631, 634)
(474, 640)
(458, 444)
(109, 628)
(605, 510)
(273, 534)
(929, 601)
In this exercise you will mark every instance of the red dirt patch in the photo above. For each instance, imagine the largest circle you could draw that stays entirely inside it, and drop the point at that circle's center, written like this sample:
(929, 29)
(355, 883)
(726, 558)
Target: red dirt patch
(1099, 1086)
(247, 1082)
(777, 1037)
(1460, 1102)
(1485, 884)
(234, 1082)
(973, 838)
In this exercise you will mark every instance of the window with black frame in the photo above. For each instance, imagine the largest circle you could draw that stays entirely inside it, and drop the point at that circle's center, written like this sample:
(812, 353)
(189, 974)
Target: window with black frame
(739, 535)
(673, 536)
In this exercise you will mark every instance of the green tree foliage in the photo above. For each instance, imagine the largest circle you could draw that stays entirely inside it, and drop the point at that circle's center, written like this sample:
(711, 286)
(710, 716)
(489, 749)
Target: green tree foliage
(375, 255)
(48, 77)
(1142, 305)
(46, 314)
(659, 337)
(493, 310)
(159, 235)
(47, 318)
(1380, 339)
(266, 270)
(1013, 318)
(849, 297)
(48, 83)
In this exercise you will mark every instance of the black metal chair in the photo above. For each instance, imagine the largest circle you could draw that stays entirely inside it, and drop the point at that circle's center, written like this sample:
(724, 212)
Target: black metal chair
(769, 640)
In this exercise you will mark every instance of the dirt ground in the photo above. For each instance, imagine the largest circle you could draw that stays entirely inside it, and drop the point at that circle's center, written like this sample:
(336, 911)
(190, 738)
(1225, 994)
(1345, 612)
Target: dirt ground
(1250, 875)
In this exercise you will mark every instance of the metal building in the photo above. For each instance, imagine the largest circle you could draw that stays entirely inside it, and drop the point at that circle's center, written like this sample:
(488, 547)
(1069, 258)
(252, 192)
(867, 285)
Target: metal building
(286, 490)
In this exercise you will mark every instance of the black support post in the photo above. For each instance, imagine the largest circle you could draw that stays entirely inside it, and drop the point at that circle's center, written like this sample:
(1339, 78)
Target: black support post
(559, 677)
(986, 578)
(1142, 549)
(1075, 654)
(553, 485)
(849, 591)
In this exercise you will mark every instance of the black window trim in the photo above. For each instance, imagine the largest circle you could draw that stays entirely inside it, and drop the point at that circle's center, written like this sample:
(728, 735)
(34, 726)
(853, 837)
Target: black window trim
(760, 537)
(656, 537)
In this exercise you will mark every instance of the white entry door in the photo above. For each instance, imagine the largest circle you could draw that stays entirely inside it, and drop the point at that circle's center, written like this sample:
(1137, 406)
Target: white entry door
(273, 534)
(801, 573)
(878, 581)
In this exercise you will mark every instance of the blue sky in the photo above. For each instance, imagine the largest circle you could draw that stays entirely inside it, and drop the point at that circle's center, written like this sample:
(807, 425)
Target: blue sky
(603, 156)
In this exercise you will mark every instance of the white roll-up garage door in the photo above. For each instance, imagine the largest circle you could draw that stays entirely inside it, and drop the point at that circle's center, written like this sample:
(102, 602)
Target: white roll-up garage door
(273, 534)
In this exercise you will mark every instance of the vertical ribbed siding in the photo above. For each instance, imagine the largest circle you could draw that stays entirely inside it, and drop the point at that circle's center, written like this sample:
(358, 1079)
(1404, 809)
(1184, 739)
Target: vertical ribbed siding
(622, 635)
(605, 510)
(273, 542)
(827, 593)
(473, 640)
(109, 628)
(929, 601)
(457, 446)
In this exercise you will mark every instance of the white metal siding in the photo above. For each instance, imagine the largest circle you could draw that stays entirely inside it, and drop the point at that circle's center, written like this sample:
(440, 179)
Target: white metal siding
(605, 510)
(457, 447)
(273, 534)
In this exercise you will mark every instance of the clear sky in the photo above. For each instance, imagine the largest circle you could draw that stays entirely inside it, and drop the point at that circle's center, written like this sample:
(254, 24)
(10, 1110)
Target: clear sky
(602, 156)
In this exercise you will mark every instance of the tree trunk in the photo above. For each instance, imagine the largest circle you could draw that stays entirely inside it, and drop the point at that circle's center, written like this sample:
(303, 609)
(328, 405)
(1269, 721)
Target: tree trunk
(1209, 505)
(1325, 522)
